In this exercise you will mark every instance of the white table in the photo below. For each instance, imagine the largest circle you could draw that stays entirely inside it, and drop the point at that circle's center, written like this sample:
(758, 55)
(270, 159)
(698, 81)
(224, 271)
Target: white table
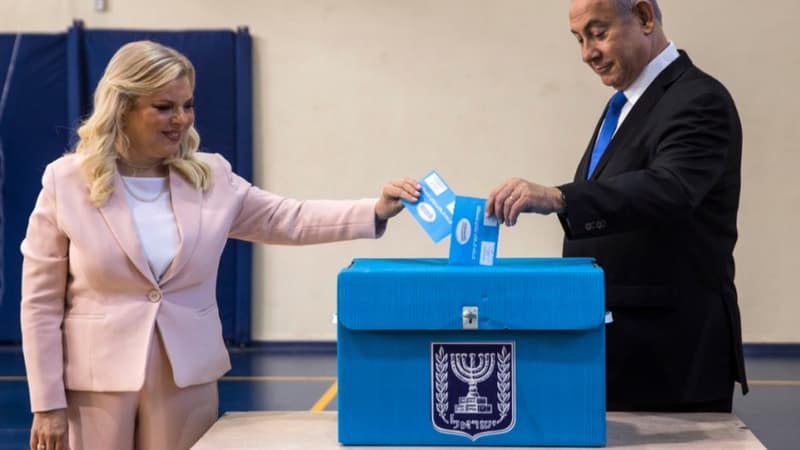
(301, 430)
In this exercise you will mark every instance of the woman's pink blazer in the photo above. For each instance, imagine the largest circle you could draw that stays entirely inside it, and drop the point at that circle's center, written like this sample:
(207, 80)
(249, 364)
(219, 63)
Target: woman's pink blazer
(90, 302)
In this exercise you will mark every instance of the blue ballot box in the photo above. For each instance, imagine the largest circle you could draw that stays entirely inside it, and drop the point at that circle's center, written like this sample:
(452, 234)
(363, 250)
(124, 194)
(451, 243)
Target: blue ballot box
(438, 354)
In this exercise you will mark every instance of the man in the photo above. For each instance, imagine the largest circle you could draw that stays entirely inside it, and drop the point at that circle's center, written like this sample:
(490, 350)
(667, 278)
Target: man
(657, 209)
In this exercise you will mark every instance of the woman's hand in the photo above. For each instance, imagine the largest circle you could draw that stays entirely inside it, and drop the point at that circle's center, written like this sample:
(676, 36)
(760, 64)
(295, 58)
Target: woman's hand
(49, 430)
(388, 205)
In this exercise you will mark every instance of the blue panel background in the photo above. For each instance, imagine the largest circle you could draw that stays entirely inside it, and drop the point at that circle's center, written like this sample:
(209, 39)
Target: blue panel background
(51, 91)
(34, 133)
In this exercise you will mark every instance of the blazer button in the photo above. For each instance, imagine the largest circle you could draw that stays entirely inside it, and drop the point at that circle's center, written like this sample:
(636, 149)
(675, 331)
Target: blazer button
(154, 296)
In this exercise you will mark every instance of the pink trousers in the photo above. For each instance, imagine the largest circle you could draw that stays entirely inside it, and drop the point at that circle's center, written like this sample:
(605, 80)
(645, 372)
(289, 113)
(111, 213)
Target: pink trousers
(161, 416)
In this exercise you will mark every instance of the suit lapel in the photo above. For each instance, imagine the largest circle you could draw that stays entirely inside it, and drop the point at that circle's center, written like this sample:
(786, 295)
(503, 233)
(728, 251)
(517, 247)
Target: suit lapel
(119, 218)
(583, 165)
(187, 203)
(638, 114)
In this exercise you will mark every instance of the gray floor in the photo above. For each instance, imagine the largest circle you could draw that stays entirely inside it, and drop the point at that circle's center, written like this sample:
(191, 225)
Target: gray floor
(772, 407)
(299, 379)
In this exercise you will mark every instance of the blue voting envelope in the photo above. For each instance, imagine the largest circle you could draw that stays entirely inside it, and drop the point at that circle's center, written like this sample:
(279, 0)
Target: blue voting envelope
(434, 209)
(474, 236)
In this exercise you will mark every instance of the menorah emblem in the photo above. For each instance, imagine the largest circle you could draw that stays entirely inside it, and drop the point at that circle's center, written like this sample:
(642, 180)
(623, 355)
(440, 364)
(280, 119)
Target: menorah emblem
(472, 368)
(460, 366)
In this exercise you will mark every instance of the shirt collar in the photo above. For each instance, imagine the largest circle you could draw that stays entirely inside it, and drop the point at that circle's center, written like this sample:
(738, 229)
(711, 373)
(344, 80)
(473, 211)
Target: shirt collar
(650, 72)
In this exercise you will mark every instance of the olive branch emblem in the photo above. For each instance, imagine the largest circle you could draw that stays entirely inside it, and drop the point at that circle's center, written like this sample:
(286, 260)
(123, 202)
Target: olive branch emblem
(441, 384)
(503, 383)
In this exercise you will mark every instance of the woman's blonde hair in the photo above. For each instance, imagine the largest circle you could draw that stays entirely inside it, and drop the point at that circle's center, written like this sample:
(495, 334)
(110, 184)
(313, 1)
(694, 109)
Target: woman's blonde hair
(137, 69)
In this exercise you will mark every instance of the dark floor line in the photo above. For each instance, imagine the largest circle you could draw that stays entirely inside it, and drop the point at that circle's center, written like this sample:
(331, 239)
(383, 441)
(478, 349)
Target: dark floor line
(252, 378)
(225, 378)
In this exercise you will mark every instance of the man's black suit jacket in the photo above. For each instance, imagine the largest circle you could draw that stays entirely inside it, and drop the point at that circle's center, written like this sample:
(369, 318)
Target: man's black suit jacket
(659, 216)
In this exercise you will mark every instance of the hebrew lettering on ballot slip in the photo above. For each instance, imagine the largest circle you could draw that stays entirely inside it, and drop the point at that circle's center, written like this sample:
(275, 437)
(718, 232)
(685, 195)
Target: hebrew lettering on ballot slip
(473, 237)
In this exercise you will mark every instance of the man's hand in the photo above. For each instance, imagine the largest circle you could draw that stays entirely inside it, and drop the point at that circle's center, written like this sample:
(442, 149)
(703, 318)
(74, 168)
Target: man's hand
(515, 196)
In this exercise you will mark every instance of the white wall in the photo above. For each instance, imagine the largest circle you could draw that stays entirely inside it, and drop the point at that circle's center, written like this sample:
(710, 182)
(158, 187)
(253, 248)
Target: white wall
(352, 93)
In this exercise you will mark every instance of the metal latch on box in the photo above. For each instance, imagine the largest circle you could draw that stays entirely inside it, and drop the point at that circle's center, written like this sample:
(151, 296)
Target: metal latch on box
(469, 317)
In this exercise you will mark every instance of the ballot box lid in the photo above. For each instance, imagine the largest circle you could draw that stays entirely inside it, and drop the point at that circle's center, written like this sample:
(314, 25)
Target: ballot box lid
(430, 294)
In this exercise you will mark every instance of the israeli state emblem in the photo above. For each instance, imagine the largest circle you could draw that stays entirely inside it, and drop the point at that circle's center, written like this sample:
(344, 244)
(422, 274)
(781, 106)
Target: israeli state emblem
(473, 388)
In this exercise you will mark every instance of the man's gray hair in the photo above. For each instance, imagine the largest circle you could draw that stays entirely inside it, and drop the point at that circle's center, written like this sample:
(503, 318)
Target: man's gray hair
(626, 7)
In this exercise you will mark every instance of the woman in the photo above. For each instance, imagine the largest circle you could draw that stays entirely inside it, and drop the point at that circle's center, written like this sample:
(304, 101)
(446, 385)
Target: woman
(121, 334)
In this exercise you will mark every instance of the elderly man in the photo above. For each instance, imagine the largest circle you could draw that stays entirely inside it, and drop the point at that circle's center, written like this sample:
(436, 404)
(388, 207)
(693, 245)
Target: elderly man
(654, 201)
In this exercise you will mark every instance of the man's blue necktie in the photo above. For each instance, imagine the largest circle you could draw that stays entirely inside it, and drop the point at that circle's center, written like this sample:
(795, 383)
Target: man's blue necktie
(607, 131)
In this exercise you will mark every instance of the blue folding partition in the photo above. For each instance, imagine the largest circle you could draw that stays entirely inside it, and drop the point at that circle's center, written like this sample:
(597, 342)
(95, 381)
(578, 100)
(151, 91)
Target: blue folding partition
(33, 131)
(51, 91)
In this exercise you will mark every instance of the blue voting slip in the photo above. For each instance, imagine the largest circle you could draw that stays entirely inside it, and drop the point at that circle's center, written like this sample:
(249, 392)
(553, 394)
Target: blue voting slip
(474, 236)
(434, 209)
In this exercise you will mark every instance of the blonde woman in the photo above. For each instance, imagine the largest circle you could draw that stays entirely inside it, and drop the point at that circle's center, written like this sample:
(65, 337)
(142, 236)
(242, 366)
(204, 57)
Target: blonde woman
(121, 334)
